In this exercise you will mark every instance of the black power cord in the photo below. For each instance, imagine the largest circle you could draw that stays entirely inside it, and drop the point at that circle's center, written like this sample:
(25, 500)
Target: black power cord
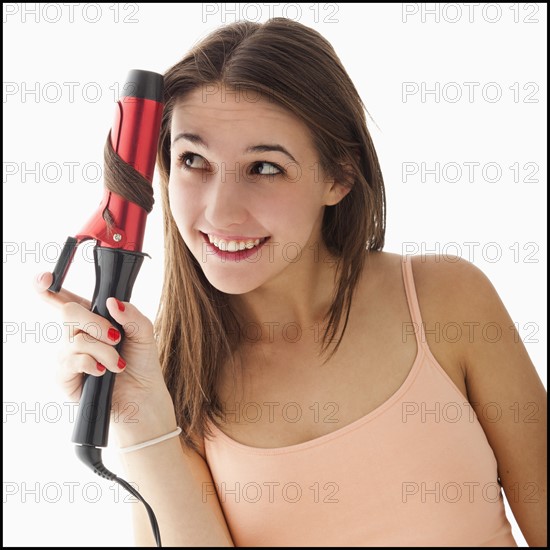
(91, 456)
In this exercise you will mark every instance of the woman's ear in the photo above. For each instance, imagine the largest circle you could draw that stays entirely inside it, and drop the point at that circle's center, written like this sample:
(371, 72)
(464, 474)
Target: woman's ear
(341, 183)
(336, 193)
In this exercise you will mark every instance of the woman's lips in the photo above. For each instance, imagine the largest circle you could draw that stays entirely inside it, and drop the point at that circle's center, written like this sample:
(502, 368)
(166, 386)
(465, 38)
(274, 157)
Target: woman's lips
(237, 256)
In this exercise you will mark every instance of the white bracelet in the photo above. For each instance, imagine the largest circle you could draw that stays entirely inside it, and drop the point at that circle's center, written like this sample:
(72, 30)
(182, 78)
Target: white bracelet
(150, 442)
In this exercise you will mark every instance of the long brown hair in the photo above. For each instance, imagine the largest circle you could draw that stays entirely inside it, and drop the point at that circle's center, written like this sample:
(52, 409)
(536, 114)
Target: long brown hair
(295, 66)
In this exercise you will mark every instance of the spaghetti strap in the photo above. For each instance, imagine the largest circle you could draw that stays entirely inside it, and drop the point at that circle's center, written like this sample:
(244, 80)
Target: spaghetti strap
(412, 301)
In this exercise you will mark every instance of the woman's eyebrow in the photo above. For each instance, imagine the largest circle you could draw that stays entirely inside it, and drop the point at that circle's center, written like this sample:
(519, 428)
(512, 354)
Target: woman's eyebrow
(262, 148)
(272, 147)
(193, 138)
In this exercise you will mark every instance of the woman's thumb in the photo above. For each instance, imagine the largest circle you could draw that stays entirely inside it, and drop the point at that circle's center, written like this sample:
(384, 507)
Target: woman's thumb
(136, 326)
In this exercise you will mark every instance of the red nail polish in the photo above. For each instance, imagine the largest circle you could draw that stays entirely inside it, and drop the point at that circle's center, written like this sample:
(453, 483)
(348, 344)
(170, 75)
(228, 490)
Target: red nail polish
(100, 367)
(120, 305)
(121, 363)
(113, 334)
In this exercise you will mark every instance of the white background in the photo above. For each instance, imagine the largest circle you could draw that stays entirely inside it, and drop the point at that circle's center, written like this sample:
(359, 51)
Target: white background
(499, 47)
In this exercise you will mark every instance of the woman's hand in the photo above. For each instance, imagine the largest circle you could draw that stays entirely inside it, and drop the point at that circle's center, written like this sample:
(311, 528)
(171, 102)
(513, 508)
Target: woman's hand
(89, 347)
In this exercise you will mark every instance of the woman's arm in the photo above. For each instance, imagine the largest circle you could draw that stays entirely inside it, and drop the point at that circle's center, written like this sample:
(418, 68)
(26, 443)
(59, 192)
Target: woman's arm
(177, 484)
(503, 388)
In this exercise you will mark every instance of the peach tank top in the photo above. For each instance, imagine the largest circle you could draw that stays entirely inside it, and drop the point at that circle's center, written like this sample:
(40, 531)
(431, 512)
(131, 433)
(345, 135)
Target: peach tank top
(416, 471)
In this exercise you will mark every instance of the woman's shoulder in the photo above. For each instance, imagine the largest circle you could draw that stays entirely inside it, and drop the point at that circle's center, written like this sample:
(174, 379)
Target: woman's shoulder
(449, 289)
(442, 279)
(457, 303)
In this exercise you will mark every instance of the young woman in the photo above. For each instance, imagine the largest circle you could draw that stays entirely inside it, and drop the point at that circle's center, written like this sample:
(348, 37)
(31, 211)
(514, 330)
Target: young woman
(320, 400)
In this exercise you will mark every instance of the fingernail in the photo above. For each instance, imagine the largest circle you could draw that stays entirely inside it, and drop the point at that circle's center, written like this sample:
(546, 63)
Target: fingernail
(121, 363)
(120, 305)
(113, 334)
(100, 367)
(39, 277)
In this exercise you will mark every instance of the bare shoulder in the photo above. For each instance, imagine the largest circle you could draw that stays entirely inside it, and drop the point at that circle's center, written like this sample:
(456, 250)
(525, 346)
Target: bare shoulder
(454, 279)
(445, 273)
(452, 283)
(458, 296)
(447, 287)
(453, 296)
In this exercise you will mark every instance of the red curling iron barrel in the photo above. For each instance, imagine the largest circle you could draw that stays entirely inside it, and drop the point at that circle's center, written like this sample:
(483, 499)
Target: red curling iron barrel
(118, 252)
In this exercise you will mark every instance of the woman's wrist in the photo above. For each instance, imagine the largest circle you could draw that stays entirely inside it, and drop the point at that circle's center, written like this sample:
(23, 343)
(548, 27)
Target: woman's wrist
(151, 442)
(143, 421)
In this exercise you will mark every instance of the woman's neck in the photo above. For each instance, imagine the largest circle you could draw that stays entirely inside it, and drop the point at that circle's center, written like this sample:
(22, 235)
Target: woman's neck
(300, 295)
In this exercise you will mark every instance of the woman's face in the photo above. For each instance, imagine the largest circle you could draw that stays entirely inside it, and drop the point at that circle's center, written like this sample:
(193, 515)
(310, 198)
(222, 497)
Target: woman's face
(246, 189)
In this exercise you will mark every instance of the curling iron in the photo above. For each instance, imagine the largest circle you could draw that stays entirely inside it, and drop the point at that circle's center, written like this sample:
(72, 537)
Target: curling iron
(118, 227)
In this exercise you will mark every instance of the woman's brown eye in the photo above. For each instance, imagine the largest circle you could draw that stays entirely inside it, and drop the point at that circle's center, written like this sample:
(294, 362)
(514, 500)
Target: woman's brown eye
(266, 169)
(192, 161)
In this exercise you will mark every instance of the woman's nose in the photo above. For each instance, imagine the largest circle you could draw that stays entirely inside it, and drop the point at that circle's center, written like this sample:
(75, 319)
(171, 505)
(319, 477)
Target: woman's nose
(226, 201)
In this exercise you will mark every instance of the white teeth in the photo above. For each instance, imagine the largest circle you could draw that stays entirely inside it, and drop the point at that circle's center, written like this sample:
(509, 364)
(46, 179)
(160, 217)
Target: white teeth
(233, 246)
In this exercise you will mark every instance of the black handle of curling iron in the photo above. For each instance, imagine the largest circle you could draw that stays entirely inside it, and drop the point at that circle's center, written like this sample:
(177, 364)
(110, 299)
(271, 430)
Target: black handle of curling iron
(116, 272)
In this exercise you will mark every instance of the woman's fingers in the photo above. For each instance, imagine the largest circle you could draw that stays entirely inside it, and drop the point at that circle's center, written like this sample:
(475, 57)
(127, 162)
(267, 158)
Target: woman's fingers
(91, 341)
(86, 354)
(78, 319)
(44, 280)
(79, 363)
(137, 328)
